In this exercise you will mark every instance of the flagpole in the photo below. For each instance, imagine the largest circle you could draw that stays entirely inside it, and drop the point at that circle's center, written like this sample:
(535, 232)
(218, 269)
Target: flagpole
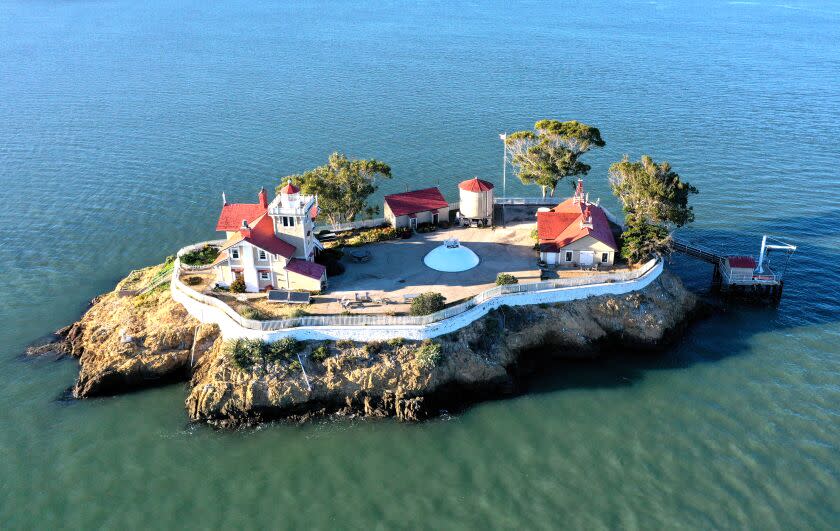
(503, 137)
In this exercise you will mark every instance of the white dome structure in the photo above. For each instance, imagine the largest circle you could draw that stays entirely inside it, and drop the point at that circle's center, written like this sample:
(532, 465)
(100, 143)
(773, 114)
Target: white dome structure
(451, 257)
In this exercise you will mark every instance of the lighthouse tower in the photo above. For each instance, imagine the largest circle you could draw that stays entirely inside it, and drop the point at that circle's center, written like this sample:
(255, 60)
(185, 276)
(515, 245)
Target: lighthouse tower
(294, 214)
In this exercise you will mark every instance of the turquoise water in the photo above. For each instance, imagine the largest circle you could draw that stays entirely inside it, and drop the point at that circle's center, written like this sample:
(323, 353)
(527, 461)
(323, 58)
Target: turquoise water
(122, 122)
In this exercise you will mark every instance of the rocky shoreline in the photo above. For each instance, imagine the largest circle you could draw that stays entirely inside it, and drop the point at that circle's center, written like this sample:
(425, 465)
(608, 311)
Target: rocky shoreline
(128, 341)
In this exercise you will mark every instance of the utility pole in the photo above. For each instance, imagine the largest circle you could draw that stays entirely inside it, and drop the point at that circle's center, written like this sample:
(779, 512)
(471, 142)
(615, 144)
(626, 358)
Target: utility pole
(503, 137)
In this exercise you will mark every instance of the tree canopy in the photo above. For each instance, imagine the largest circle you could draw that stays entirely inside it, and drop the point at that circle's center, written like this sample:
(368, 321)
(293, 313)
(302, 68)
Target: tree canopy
(551, 152)
(342, 186)
(655, 201)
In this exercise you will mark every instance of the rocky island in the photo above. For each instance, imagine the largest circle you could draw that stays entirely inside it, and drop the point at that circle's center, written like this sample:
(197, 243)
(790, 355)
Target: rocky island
(128, 341)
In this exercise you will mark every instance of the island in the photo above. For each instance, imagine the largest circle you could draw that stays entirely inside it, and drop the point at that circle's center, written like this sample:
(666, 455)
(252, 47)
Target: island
(431, 307)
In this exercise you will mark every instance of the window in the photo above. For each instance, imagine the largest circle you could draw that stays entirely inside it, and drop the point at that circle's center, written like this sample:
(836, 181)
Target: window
(288, 221)
(264, 275)
(263, 255)
(234, 253)
(605, 257)
(568, 256)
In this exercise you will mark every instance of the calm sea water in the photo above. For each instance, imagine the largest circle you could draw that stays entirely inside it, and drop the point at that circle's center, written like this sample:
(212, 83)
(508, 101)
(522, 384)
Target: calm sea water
(122, 122)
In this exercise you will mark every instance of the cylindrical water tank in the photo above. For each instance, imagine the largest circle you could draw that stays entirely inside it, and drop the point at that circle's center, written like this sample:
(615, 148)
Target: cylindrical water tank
(476, 199)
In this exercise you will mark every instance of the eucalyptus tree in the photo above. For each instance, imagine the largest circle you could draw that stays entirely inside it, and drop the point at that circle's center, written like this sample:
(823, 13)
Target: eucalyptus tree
(551, 152)
(655, 201)
(342, 186)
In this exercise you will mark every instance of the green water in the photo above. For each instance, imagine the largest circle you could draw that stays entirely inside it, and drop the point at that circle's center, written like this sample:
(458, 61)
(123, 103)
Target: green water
(121, 123)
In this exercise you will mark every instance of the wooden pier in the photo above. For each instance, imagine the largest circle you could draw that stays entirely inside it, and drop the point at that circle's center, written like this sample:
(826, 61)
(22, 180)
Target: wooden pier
(743, 276)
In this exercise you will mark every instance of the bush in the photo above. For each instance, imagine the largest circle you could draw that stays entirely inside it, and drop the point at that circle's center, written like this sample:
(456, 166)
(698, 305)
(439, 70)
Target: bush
(344, 344)
(254, 313)
(295, 366)
(503, 279)
(373, 347)
(427, 303)
(236, 354)
(204, 256)
(379, 234)
(283, 349)
(238, 285)
(426, 227)
(193, 281)
(320, 353)
(404, 233)
(428, 355)
(396, 342)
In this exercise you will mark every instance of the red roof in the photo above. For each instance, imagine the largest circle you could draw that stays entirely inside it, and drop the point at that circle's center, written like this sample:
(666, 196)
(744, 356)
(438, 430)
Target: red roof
(233, 214)
(306, 268)
(741, 261)
(562, 226)
(289, 189)
(475, 185)
(261, 234)
(416, 201)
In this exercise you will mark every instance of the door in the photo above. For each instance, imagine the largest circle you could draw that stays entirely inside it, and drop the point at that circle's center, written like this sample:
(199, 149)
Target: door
(586, 258)
(435, 218)
(550, 258)
(412, 223)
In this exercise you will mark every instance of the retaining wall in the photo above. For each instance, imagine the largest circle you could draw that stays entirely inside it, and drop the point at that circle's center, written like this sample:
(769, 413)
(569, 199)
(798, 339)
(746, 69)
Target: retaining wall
(368, 328)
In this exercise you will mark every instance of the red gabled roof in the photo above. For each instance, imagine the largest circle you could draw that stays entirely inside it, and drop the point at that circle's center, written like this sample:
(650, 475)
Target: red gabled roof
(261, 234)
(741, 261)
(416, 201)
(475, 185)
(562, 225)
(306, 268)
(232, 215)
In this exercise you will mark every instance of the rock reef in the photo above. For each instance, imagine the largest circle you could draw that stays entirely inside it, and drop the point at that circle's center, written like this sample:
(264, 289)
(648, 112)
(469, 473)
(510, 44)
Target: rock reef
(127, 341)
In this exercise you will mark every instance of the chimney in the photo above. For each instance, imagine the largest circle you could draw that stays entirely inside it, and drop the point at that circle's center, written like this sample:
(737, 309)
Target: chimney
(578, 192)
(586, 220)
(224, 199)
(245, 230)
(263, 198)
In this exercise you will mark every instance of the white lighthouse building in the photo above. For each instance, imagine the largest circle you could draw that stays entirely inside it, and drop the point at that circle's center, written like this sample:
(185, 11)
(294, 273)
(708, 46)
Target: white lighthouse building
(271, 245)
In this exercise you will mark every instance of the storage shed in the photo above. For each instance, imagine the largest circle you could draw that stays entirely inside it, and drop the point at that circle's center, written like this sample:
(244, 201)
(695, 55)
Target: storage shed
(410, 209)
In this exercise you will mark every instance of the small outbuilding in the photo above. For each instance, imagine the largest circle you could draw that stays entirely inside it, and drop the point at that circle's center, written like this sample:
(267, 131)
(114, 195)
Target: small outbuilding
(739, 269)
(410, 209)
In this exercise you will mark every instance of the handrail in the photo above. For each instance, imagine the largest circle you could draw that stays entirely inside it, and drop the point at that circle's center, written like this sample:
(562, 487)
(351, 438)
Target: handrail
(379, 320)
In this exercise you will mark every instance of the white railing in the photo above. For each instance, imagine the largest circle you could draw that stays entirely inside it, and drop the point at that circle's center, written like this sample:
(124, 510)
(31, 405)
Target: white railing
(363, 224)
(402, 320)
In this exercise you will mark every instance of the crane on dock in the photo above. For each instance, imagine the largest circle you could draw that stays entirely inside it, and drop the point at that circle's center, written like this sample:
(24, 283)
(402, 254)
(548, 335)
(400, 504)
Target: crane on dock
(744, 275)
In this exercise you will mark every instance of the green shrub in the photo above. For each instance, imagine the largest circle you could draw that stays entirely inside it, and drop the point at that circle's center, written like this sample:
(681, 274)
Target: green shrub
(378, 234)
(344, 344)
(244, 353)
(283, 349)
(298, 312)
(427, 303)
(320, 353)
(238, 285)
(428, 355)
(404, 233)
(373, 347)
(295, 366)
(535, 235)
(254, 313)
(204, 256)
(396, 342)
(503, 279)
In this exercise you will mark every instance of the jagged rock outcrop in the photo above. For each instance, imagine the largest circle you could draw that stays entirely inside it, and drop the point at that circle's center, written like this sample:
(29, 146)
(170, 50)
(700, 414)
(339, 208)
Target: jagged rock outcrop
(390, 379)
(128, 341)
